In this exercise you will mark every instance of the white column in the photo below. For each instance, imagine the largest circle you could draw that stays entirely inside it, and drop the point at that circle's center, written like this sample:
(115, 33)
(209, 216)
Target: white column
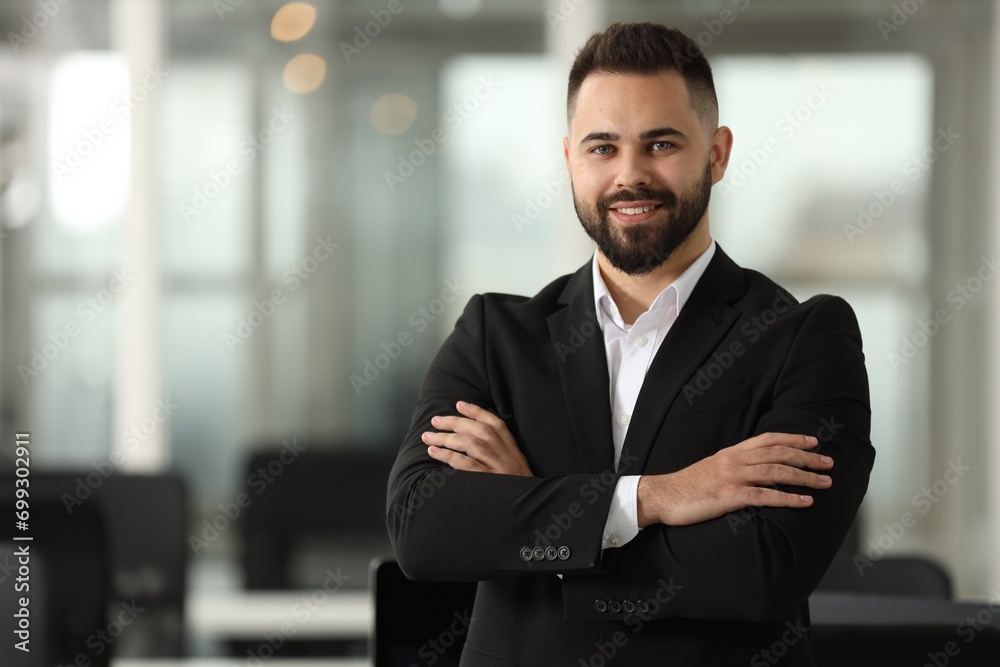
(137, 32)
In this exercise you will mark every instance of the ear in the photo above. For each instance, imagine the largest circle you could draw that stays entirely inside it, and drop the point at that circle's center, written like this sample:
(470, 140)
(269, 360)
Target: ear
(722, 146)
(566, 151)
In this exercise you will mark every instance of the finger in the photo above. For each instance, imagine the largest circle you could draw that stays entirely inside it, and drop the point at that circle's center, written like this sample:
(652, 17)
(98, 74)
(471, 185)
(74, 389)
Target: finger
(789, 456)
(469, 446)
(496, 441)
(480, 414)
(492, 421)
(498, 425)
(478, 440)
(774, 473)
(763, 497)
(796, 440)
(455, 460)
(464, 425)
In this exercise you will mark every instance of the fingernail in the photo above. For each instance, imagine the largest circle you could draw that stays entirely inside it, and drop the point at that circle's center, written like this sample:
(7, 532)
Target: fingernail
(826, 460)
(462, 404)
(806, 499)
(811, 438)
(435, 419)
(825, 478)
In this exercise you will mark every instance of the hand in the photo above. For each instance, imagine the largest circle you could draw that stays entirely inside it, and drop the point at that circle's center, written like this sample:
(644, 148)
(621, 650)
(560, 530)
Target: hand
(478, 442)
(731, 479)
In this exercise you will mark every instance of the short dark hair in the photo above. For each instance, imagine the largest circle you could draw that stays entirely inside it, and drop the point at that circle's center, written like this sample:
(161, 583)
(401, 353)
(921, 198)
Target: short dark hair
(647, 48)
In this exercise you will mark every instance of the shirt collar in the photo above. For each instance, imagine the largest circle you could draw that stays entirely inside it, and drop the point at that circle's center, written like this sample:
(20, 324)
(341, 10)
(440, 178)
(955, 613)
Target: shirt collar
(676, 292)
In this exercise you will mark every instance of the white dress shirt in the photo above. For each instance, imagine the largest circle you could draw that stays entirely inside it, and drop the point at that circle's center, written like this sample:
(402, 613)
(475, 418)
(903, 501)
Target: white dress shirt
(630, 349)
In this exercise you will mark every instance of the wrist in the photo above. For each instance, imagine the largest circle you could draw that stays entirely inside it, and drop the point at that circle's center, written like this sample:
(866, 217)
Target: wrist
(648, 510)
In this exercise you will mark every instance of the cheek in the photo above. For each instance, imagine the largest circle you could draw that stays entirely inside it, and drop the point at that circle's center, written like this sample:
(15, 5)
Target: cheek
(680, 178)
(591, 181)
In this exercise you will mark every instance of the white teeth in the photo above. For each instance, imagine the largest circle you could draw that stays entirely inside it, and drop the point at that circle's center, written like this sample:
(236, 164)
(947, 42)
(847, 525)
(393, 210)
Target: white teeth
(636, 211)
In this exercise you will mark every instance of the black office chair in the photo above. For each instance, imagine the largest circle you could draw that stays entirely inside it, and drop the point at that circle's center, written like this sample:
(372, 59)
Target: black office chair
(66, 584)
(322, 510)
(912, 576)
(922, 644)
(148, 527)
(435, 634)
(146, 519)
(327, 506)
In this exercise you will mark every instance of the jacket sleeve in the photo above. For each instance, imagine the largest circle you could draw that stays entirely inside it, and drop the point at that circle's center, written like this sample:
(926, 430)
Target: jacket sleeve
(447, 524)
(760, 563)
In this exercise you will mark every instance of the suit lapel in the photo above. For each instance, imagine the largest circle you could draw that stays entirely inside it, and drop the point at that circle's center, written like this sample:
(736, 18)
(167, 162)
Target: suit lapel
(703, 322)
(580, 356)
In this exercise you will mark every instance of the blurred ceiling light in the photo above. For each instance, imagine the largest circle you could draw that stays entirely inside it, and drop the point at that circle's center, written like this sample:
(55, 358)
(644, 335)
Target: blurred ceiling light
(459, 10)
(393, 113)
(293, 21)
(304, 73)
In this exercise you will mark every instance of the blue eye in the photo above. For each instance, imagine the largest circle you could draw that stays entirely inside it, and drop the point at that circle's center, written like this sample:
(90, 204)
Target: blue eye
(663, 144)
(602, 150)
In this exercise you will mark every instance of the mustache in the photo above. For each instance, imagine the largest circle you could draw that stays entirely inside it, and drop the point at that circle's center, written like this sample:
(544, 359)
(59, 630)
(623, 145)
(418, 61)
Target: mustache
(668, 197)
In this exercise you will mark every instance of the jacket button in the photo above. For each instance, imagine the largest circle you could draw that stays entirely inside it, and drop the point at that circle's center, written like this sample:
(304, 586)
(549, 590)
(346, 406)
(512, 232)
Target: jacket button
(550, 553)
(526, 553)
(628, 606)
(642, 606)
(600, 606)
(538, 553)
(614, 606)
(563, 553)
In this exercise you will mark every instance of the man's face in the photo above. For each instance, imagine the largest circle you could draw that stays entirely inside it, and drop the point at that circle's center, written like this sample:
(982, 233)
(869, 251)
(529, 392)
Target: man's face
(642, 166)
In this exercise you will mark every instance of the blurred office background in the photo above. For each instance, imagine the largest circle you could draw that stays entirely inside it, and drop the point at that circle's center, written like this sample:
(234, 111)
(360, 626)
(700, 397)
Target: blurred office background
(232, 228)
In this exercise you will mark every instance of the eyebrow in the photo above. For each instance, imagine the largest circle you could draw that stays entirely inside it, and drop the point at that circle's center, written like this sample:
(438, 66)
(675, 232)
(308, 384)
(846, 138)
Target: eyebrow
(645, 136)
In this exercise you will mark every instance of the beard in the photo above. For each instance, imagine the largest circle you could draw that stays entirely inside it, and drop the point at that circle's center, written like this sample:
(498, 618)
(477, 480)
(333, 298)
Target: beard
(640, 248)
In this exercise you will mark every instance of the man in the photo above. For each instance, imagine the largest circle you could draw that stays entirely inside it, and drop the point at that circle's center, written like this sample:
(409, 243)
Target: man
(629, 462)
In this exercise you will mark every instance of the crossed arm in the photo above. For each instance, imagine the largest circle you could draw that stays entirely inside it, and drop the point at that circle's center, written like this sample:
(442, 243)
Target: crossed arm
(731, 479)
(762, 567)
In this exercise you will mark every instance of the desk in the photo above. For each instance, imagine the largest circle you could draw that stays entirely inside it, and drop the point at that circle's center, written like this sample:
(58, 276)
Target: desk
(349, 614)
(246, 615)
(239, 662)
(858, 609)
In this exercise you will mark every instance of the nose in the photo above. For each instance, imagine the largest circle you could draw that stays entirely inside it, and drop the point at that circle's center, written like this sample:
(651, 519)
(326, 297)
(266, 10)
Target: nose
(633, 170)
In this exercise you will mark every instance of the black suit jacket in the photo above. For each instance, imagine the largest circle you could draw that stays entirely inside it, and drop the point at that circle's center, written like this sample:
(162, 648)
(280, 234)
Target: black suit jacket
(743, 358)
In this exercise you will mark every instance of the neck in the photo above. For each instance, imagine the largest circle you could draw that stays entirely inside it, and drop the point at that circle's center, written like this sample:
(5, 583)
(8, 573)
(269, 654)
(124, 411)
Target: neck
(635, 294)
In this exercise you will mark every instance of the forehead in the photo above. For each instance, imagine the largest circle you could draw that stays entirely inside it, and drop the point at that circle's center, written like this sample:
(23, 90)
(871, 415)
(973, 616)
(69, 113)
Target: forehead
(632, 101)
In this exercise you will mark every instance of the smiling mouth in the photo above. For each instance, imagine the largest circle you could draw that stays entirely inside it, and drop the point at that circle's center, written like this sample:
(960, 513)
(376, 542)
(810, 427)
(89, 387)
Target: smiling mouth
(636, 210)
(635, 214)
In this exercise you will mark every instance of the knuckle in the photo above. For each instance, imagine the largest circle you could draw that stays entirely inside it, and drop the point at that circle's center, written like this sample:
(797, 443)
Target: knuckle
(757, 495)
(461, 462)
(772, 471)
